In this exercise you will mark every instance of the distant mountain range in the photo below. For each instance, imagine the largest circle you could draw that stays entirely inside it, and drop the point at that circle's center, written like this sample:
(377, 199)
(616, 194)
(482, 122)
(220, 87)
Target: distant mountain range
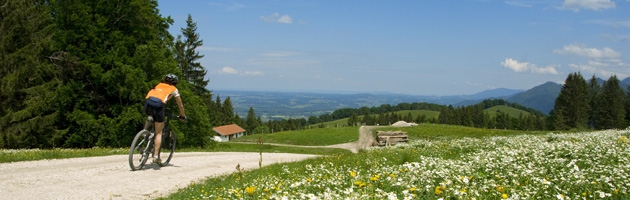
(284, 105)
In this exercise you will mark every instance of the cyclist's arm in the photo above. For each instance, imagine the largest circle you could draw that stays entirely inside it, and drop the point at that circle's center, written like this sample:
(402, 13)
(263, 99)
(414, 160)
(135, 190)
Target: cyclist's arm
(180, 105)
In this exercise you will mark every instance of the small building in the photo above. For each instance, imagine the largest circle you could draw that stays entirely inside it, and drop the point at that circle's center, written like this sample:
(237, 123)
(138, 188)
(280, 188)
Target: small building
(228, 132)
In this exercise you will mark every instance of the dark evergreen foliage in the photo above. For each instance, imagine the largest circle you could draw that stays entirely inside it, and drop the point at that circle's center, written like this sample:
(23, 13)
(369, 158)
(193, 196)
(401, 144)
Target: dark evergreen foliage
(573, 104)
(610, 106)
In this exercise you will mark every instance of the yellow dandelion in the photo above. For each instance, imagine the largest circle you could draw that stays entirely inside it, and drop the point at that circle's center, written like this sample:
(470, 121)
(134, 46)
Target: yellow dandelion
(392, 176)
(439, 189)
(309, 180)
(353, 174)
(622, 139)
(412, 189)
(375, 177)
(360, 183)
(250, 190)
(504, 196)
(500, 189)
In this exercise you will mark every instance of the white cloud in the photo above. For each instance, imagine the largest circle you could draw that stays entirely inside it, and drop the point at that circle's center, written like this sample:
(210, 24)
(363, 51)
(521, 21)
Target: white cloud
(603, 62)
(285, 19)
(525, 66)
(515, 65)
(275, 17)
(545, 70)
(230, 70)
(582, 50)
(601, 71)
(576, 5)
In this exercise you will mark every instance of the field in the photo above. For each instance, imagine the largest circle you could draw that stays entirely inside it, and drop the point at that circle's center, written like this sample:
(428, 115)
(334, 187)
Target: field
(485, 164)
(512, 112)
(440, 162)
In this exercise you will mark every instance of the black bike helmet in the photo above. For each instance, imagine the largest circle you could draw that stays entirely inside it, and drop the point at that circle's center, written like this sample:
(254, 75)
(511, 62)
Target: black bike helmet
(171, 79)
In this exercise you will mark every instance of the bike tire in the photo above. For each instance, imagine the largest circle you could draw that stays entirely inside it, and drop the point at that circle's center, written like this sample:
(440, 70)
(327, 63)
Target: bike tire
(137, 154)
(169, 140)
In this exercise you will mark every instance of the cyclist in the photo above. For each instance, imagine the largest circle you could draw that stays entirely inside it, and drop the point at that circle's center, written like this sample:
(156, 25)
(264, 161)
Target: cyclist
(156, 99)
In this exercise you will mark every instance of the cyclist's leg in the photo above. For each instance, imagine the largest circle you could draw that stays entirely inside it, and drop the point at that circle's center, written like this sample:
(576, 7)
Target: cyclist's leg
(159, 125)
(158, 138)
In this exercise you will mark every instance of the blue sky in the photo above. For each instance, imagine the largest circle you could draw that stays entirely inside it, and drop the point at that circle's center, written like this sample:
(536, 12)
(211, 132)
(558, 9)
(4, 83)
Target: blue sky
(430, 47)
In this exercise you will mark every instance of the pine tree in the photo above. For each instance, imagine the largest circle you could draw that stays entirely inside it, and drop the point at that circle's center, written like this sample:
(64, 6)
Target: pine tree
(27, 78)
(611, 105)
(352, 121)
(188, 57)
(227, 112)
(573, 102)
(595, 91)
(251, 122)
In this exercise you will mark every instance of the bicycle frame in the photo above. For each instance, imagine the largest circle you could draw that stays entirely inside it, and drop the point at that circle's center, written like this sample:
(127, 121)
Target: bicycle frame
(143, 145)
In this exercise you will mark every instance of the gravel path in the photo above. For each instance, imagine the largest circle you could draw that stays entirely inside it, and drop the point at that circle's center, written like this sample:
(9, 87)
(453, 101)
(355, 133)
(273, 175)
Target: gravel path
(109, 177)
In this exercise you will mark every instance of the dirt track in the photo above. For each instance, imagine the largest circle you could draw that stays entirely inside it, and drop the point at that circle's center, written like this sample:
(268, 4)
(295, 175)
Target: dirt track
(109, 177)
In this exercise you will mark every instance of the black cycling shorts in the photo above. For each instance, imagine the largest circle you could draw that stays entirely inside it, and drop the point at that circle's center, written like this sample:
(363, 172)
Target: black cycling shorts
(154, 107)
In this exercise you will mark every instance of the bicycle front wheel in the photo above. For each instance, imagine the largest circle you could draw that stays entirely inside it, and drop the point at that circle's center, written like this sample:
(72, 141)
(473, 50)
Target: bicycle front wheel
(169, 139)
(139, 152)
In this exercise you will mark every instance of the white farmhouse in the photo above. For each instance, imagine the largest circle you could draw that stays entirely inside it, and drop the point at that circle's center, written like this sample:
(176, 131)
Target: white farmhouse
(228, 132)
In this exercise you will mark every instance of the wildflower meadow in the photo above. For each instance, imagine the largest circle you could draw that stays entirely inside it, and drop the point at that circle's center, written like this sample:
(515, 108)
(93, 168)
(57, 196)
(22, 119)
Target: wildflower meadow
(587, 165)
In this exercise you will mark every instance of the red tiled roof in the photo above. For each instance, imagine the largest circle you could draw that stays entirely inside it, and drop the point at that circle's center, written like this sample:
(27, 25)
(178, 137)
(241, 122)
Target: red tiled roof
(228, 129)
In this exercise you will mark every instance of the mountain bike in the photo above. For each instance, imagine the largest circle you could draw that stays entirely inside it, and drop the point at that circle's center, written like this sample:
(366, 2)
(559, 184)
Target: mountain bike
(142, 146)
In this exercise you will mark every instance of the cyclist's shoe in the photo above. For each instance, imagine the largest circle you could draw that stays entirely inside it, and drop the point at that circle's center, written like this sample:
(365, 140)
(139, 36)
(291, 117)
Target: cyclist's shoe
(157, 160)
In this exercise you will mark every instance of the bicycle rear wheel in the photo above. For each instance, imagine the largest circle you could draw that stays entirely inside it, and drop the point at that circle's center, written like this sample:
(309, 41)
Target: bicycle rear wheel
(169, 139)
(138, 153)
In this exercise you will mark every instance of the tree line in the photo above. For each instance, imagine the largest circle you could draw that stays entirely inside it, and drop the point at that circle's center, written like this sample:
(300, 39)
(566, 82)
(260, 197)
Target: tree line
(591, 105)
(75, 73)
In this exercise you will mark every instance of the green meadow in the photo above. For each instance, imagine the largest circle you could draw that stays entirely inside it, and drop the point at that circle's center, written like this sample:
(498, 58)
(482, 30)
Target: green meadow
(439, 162)
(442, 162)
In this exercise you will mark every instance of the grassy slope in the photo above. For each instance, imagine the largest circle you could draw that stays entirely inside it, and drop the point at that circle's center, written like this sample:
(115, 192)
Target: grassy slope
(513, 112)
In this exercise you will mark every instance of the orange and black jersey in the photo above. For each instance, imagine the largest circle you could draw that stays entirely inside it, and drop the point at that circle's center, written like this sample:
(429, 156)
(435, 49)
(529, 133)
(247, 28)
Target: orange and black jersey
(163, 92)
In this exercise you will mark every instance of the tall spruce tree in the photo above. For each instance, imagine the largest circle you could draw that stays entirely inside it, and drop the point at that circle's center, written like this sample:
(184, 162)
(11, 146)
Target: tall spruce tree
(27, 78)
(188, 57)
(227, 112)
(193, 72)
(611, 110)
(595, 91)
(251, 122)
(573, 103)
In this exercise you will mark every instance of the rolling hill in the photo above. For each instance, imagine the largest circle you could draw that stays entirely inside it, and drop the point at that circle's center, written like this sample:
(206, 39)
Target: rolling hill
(284, 105)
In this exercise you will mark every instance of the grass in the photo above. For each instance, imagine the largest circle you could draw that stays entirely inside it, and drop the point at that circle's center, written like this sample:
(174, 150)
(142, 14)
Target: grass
(12, 155)
(585, 165)
(428, 130)
(308, 137)
(512, 112)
